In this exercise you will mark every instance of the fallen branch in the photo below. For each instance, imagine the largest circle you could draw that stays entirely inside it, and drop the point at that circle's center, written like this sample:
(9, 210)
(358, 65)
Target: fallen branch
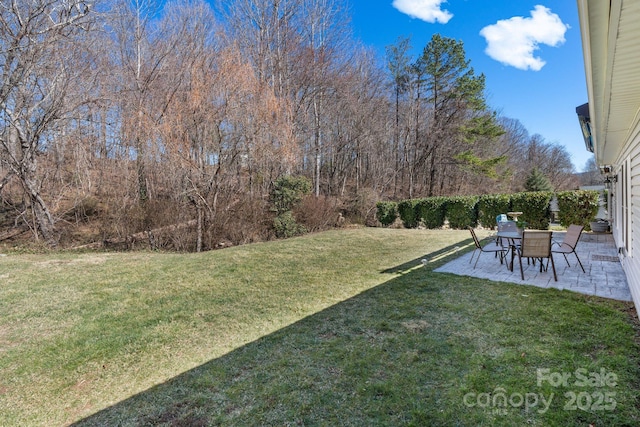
(145, 235)
(12, 233)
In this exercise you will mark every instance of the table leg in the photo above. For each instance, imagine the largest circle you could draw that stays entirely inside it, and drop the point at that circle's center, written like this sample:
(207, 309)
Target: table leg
(513, 254)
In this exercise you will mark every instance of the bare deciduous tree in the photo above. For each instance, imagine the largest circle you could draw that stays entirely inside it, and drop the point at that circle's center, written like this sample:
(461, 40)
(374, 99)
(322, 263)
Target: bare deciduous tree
(37, 66)
(169, 120)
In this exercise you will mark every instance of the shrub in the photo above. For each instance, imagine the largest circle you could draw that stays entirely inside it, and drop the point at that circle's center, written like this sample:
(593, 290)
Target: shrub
(432, 211)
(387, 212)
(85, 208)
(245, 222)
(534, 207)
(492, 205)
(408, 214)
(285, 226)
(462, 211)
(362, 208)
(578, 207)
(317, 213)
(287, 193)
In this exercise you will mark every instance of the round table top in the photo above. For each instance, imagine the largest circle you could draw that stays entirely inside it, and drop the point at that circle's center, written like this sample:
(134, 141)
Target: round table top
(509, 234)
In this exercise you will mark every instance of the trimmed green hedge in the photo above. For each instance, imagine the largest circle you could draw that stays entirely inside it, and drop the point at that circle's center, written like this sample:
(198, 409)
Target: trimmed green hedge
(578, 207)
(535, 209)
(492, 205)
(462, 211)
(408, 214)
(387, 213)
(432, 211)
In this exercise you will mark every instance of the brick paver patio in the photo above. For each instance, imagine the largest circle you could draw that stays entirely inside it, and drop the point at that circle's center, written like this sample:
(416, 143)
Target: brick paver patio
(603, 275)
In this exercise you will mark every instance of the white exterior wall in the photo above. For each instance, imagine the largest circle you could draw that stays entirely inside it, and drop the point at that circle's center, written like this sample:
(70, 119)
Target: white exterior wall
(626, 211)
(611, 42)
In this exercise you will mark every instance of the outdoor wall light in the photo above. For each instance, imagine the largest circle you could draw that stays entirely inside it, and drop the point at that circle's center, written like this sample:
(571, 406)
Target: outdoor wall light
(606, 169)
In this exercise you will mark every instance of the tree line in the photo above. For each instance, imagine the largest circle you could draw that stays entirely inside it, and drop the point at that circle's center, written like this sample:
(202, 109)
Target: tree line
(135, 118)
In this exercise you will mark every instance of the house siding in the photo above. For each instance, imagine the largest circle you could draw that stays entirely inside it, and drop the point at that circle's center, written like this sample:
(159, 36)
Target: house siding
(626, 229)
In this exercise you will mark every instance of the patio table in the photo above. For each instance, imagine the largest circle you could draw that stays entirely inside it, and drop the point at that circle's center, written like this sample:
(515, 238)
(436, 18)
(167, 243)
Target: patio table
(511, 237)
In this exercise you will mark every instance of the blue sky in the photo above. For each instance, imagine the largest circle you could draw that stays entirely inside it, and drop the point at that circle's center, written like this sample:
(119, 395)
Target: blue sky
(533, 65)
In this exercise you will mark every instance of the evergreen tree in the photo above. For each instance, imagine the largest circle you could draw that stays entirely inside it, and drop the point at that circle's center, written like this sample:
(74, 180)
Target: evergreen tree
(537, 181)
(456, 121)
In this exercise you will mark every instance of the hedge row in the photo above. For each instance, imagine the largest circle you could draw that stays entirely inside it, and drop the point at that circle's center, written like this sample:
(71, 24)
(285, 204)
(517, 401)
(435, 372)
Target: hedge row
(576, 207)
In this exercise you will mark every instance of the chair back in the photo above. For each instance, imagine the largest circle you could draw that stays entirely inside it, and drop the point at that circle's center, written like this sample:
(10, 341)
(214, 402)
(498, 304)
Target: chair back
(507, 226)
(573, 235)
(475, 238)
(536, 244)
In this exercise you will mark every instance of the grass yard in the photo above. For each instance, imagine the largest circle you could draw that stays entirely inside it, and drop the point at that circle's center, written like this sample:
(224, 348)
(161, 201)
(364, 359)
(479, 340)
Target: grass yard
(338, 328)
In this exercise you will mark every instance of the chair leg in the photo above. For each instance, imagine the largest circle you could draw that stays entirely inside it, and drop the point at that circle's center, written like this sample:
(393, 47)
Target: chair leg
(566, 259)
(553, 266)
(513, 257)
(472, 255)
(505, 254)
(543, 266)
(579, 262)
(521, 271)
(479, 253)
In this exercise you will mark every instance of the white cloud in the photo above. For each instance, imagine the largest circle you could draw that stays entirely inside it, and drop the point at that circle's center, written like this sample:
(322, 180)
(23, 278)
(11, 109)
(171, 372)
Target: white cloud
(513, 41)
(427, 10)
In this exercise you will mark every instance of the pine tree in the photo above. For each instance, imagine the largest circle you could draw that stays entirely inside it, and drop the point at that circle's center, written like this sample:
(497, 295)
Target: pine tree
(537, 181)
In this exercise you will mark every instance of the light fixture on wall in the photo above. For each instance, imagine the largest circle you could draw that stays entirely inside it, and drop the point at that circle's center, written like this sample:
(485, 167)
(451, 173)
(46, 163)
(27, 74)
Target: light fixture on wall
(606, 169)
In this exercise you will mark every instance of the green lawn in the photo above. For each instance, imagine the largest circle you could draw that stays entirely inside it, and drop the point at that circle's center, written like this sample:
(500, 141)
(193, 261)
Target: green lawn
(339, 328)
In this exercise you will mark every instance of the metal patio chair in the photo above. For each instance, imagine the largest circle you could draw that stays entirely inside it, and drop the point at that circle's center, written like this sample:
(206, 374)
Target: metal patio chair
(569, 243)
(537, 245)
(492, 247)
(501, 218)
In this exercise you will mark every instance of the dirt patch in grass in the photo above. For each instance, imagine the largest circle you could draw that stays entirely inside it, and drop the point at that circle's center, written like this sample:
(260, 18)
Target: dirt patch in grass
(416, 325)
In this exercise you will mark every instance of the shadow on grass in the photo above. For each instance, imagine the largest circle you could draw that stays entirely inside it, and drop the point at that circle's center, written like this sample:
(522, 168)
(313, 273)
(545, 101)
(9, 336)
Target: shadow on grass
(404, 353)
(433, 259)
